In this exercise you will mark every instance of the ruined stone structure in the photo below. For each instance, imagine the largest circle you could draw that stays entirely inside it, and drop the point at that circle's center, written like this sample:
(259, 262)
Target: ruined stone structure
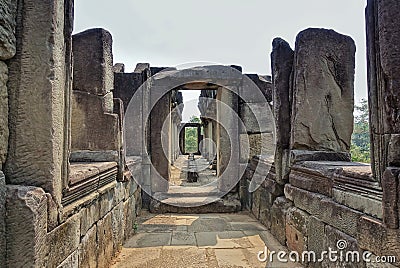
(74, 174)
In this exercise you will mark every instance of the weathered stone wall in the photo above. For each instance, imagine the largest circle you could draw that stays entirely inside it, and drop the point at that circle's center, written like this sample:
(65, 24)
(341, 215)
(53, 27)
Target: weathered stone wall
(324, 199)
(257, 121)
(94, 126)
(324, 202)
(91, 232)
(383, 84)
(323, 85)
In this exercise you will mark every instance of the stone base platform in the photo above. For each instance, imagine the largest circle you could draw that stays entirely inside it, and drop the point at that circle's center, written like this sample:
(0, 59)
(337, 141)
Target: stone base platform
(182, 203)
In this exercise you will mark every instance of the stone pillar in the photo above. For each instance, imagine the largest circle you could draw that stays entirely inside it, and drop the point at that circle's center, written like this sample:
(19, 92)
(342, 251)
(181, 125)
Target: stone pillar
(384, 101)
(4, 132)
(37, 80)
(323, 92)
(215, 139)
(206, 143)
(8, 9)
(68, 29)
(126, 86)
(96, 135)
(227, 138)
(144, 70)
(282, 63)
(159, 155)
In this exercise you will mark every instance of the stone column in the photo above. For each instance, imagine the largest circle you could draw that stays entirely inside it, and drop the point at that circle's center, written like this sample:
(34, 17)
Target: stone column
(208, 143)
(282, 63)
(144, 70)
(227, 138)
(126, 86)
(323, 93)
(37, 100)
(384, 100)
(8, 9)
(159, 155)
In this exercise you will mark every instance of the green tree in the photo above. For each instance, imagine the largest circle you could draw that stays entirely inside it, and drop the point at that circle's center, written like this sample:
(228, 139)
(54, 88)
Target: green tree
(360, 140)
(194, 119)
(191, 142)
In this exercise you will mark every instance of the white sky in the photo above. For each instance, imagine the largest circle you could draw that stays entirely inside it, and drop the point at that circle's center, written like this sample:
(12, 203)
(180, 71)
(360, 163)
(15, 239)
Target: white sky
(174, 32)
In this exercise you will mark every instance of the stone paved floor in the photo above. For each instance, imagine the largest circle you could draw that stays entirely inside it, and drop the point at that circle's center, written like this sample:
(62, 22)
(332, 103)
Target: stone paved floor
(178, 172)
(204, 240)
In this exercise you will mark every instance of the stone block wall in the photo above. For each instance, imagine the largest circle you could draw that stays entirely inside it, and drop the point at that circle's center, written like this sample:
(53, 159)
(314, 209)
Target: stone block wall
(91, 232)
(94, 126)
(316, 196)
(257, 128)
(325, 202)
(36, 228)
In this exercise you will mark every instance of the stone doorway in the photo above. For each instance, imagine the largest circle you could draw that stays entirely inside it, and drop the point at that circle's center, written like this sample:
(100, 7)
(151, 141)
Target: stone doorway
(192, 173)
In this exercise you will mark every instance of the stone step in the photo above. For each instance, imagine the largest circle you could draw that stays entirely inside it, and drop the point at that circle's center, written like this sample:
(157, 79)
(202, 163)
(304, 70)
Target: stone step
(172, 203)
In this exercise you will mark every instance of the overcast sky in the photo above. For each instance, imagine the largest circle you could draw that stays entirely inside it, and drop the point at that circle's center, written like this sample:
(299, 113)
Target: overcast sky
(174, 32)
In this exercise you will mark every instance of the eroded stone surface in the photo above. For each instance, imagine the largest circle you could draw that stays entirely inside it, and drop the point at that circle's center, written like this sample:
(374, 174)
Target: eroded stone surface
(64, 240)
(278, 218)
(26, 226)
(36, 87)
(383, 78)
(3, 113)
(282, 57)
(88, 249)
(257, 117)
(105, 241)
(8, 11)
(323, 85)
(92, 129)
(339, 216)
(93, 62)
(71, 261)
(2, 219)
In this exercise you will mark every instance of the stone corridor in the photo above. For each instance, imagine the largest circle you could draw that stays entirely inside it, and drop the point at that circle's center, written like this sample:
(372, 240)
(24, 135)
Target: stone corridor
(198, 240)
